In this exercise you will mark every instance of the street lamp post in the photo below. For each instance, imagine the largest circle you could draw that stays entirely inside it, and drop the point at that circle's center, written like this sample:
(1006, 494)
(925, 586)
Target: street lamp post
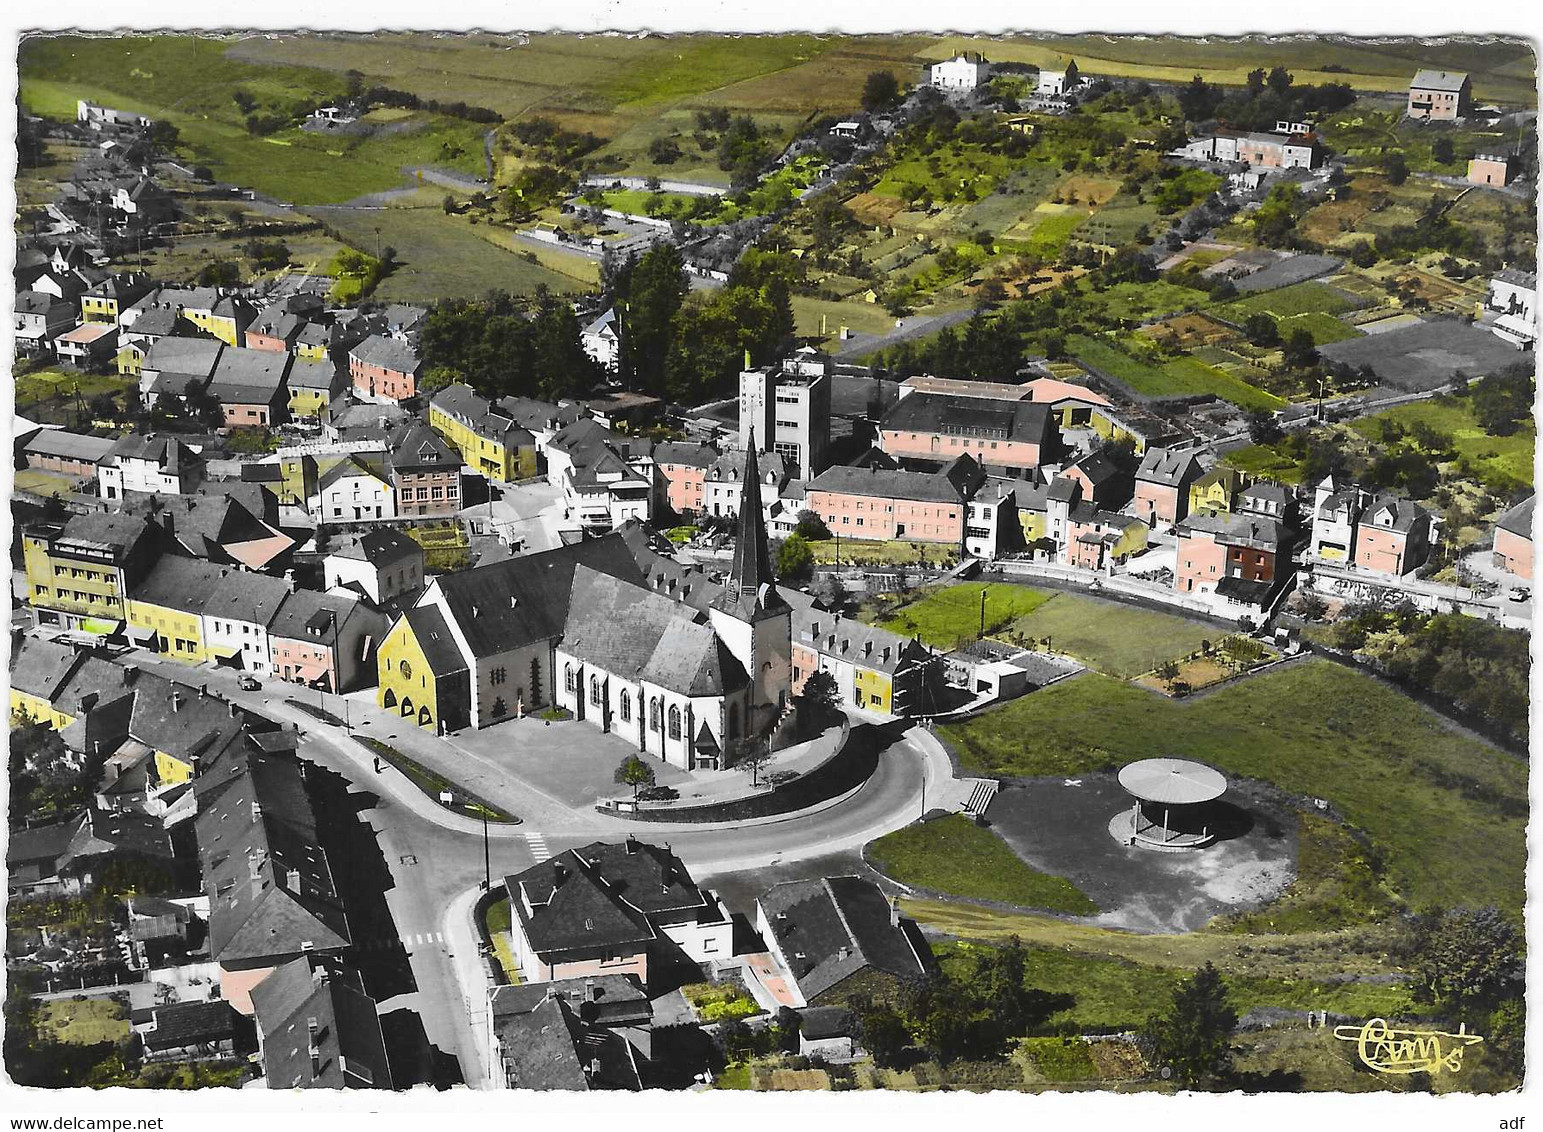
(337, 670)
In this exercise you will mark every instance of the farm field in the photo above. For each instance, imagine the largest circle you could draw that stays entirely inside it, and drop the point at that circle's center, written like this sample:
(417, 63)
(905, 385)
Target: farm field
(441, 256)
(1114, 638)
(955, 856)
(1265, 462)
(946, 616)
(628, 90)
(1297, 299)
(861, 317)
(189, 82)
(85, 1022)
(1502, 70)
(1384, 762)
(1171, 379)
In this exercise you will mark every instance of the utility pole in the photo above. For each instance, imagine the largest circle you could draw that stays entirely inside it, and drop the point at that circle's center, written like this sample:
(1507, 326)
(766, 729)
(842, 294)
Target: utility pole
(487, 859)
(982, 613)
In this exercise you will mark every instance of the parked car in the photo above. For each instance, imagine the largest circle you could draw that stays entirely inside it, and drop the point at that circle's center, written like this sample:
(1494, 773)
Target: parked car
(248, 683)
(1520, 594)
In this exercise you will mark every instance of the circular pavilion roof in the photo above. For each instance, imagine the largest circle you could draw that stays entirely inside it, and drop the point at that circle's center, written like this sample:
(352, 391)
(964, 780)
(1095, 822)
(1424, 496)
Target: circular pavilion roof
(1177, 782)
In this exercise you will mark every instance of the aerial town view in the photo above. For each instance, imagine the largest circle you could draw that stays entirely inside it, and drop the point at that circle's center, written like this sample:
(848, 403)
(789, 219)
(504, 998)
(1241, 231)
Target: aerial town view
(799, 562)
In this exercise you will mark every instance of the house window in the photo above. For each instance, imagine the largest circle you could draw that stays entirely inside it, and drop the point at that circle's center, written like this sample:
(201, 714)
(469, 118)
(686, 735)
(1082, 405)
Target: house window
(675, 721)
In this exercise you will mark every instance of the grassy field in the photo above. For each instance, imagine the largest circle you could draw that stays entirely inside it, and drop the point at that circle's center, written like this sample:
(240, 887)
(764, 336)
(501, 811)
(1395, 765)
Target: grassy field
(953, 855)
(85, 1022)
(824, 318)
(1501, 70)
(1183, 375)
(946, 616)
(1324, 328)
(1110, 993)
(1261, 460)
(190, 82)
(440, 256)
(1445, 811)
(1299, 298)
(47, 384)
(1505, 455)
(628, 90)
(1120, 640)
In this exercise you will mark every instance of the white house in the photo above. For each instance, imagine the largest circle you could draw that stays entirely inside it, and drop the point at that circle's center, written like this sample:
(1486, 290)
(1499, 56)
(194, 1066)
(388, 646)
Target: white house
(383, 564)
(724, 485)
(151, 464)
(236, 617)
(1515, 295)
(353, 490)
(602, 339)
(965, 72)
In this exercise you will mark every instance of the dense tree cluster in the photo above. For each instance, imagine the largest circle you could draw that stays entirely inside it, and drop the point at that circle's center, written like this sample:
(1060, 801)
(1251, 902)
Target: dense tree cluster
(551, 144)
(687, 346)
(1478, 666)
(501, 349)
(1269, 96)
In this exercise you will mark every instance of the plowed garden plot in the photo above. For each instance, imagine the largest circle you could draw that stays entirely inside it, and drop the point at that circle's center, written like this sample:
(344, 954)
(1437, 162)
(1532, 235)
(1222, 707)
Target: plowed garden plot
(1186, 331)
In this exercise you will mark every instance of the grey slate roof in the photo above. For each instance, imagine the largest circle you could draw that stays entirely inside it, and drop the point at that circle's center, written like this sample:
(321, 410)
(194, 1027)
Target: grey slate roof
(191, 1023)
(379, 547)
(1254, 531)
(434, 638)
(307, 374)
(1427, 79)
(1518, 519)
(196, 357)
(886, 483)
(954, 415)
(269, 883)
(61, 442)
(350, 1049)
(242, 368)
(627, 629)
(244, 595)
(40, 667)
(180, 583)
(1405, 513)
(388, 353)
(817, 919)
(1167, 466)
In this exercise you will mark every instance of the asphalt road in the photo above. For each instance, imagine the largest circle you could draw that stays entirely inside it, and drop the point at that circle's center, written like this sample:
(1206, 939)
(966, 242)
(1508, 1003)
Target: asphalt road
(436, 858)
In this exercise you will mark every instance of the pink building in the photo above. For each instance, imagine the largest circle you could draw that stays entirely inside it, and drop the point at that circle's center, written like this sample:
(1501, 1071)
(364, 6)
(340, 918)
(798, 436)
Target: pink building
(1439, 96)
(1513, 540)
(1162, 485)
(1215, 547)
(682, 471)
(880, 503)
(937, 428)
(608, 909)
(384, 369)
(1393, 536)
(1489, 169)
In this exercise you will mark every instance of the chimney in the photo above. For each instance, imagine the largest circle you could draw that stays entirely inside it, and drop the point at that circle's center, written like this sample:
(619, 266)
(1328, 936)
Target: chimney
(235, 711)
(130, 673)
(843, 951)
(894, 912)
(632, 845)
(176, 701)
(559, 874)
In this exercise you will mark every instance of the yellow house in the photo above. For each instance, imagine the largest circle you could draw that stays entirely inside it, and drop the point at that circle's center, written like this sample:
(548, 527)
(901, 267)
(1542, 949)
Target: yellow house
(311, 386)
(422, 675)
(79, 574)
(98, 308)
(297, 479)
(168, 606)
(488, 440)
(871, 689)
(1108, 427)
(39, 671)
(1217, 491)
(130, 358)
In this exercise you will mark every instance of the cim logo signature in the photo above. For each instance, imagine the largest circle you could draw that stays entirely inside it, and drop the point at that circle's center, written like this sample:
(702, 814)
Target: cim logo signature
(1386, 1050)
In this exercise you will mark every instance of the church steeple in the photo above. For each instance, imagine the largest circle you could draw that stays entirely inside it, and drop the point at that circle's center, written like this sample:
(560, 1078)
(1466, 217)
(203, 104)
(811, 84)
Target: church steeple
(751, 587)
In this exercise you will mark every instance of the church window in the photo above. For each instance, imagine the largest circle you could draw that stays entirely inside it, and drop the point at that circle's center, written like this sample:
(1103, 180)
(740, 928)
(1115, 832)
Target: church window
(675, 722)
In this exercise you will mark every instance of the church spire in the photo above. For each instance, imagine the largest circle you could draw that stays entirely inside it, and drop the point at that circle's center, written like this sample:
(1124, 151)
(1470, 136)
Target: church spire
(751, 586)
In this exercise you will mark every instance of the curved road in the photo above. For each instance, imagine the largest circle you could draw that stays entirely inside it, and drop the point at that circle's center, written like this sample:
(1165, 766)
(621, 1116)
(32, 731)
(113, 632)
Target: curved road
(436, 858)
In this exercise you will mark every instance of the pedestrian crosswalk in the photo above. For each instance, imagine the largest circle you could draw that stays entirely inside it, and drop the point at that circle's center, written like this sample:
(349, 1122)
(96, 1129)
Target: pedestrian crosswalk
(391, 943)
(538, 848)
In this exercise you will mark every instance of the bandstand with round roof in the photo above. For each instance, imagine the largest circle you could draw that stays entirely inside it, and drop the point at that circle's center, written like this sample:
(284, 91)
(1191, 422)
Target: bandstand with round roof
(1171, 810)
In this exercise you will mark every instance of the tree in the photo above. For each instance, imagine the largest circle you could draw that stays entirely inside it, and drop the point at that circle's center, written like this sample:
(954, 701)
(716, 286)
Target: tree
(1194, 1036)
(1167, 672)
(1279, 81)
(794, 557)
(1198, 101)
(448, 204)
(1442, 150)
(1263, 428)
(1395, 168)
(636, 773)
(753, 759)
(811, 526)
(821, 694)
(1467, 960)
(1261, 329)
(663, 151)
(1299, 351)
(829, 589)
(881, 90)
(883, 1034)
